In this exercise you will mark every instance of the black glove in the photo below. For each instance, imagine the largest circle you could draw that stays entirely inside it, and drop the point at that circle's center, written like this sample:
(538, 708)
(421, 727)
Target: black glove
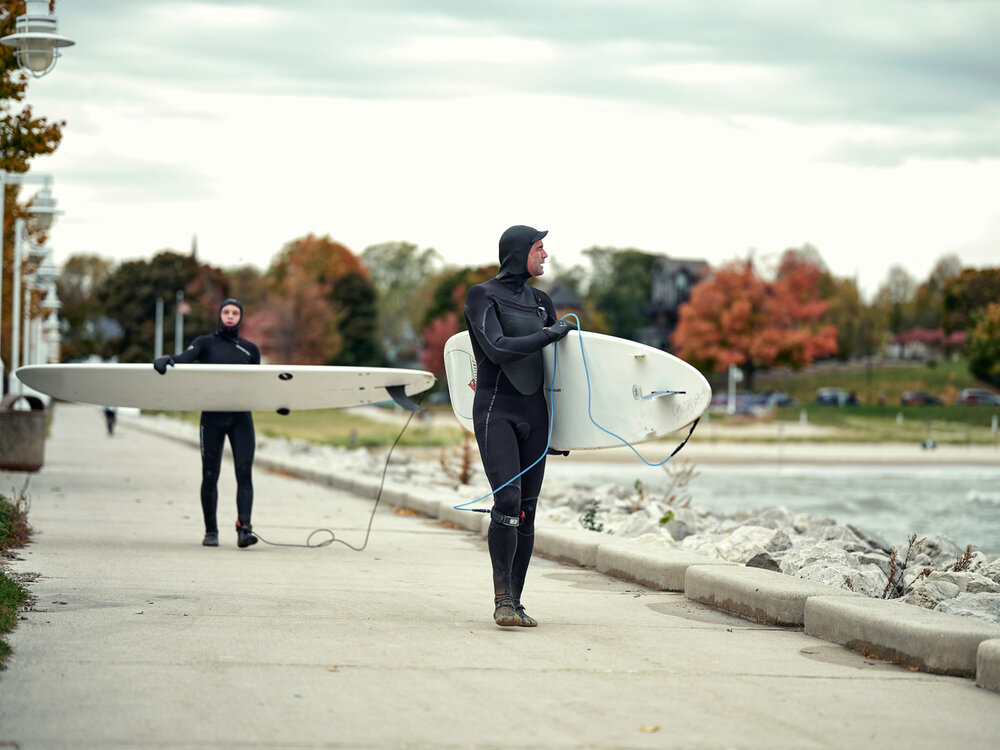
(559, 330)
(160, 364)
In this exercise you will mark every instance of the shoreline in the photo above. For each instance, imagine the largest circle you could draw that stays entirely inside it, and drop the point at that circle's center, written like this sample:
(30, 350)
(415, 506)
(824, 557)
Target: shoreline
(712, 451)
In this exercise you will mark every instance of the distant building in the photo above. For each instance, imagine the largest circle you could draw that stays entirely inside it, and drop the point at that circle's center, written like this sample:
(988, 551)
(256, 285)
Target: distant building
(672, 281)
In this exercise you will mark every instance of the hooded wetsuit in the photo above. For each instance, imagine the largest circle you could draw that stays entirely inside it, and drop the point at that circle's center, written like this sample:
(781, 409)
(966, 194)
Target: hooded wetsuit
(225, 347)
(510, 323)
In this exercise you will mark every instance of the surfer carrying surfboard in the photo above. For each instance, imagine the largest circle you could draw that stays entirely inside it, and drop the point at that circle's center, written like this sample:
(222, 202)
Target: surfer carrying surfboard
(224, 347)
(511, 323)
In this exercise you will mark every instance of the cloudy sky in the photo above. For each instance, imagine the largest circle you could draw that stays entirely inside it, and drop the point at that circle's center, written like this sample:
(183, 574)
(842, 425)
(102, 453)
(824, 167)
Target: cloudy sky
(696, 129)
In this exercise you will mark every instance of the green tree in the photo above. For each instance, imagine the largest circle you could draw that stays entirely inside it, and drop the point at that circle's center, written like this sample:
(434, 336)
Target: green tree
(895, 298)
(399, 271)
(85, 329)
(621, 288)
(22, 137)
(968, 293)
(449, 289)
(983, 347)
(129, 296)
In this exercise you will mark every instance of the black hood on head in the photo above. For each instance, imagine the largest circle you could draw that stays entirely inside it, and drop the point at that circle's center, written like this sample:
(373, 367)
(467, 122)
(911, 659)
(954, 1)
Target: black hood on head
(514, 246)
(230, 332)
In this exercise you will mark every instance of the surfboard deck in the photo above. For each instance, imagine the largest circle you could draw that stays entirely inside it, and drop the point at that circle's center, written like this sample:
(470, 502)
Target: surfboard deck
(202, 387)
(637, 392)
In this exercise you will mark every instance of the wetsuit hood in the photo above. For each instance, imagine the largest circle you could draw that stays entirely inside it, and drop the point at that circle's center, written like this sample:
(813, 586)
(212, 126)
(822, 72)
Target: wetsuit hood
(515, 244)
(230, 332)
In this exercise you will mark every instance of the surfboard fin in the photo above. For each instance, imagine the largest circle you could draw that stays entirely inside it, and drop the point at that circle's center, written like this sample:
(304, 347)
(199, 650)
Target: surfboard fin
(656, 394)
(398, 394)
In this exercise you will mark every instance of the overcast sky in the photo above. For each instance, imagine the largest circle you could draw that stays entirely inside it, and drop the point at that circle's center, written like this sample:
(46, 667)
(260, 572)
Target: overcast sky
(696, 129)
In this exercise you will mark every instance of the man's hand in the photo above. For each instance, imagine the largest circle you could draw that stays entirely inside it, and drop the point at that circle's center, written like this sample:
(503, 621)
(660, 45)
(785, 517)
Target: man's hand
(160, 364)
(558, 331)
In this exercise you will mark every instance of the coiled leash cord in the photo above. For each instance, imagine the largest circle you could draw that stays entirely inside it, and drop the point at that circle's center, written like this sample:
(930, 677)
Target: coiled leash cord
(371, 519)
(552, 412)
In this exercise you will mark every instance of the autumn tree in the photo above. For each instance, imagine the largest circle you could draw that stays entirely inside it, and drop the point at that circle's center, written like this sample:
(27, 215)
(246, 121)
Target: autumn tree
(322, 307)
(22, 138)
(736, 318)
(983, 347)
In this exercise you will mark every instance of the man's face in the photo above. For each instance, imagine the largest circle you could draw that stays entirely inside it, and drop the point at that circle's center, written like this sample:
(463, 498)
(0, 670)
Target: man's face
(536, 259)
(230, 315)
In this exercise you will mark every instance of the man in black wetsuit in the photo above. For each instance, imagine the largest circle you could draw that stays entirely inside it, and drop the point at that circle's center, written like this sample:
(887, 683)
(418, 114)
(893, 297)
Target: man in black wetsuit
(224, 347)
(510, 323)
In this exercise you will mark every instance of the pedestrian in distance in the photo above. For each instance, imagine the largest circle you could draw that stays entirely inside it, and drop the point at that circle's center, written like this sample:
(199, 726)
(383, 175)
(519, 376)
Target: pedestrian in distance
(224, 347)
(110, 418)
(510, 322)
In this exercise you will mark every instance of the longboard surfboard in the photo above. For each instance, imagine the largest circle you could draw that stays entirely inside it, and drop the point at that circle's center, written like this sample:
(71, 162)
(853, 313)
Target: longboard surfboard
(202, 387)
(637, 392)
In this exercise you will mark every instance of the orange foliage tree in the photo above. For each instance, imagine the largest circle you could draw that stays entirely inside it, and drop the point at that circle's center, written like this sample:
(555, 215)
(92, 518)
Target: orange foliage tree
(736, 318)
(309, 319)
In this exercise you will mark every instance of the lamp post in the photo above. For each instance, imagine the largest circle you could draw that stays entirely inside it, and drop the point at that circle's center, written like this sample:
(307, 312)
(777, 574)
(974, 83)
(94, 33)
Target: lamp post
(36, 39)
(43, 208)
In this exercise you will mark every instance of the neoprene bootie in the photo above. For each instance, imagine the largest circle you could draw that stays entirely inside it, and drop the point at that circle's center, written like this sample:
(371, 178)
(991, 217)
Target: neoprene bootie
(244, 535)
(505, 615)
(211, 539)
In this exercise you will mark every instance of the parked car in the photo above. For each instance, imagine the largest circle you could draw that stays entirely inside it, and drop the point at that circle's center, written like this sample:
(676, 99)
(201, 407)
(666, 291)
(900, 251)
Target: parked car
(919, 398)
(978, 396)
(836, 397)
(770, 399)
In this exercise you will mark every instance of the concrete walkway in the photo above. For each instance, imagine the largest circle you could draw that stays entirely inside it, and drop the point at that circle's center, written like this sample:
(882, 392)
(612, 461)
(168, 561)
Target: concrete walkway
(140, 637)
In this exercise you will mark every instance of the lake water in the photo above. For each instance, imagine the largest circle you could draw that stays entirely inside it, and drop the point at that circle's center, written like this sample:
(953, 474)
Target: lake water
(961, 502)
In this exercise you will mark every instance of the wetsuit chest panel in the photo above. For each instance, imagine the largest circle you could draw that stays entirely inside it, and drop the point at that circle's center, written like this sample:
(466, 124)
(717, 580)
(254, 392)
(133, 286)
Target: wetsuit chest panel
(522, 318)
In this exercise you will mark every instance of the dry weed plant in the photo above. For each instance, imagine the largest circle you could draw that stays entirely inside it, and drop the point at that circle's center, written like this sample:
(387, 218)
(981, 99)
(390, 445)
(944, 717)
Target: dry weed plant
(457, 463)
(894, 588)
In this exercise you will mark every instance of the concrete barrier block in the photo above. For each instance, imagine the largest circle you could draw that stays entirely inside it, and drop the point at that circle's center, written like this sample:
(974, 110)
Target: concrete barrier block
(568, 545)
(988, 665)
(463, 519)
(659, 568)
(756, 594)
(901, 633)
(423, 502)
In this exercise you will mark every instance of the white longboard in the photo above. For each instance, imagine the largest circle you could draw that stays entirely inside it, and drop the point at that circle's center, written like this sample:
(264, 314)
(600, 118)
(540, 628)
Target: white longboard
(201, 387)
(636, 392)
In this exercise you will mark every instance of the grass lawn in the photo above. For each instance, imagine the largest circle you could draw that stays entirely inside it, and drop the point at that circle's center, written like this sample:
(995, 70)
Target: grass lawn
(345, 428)
(14, 532)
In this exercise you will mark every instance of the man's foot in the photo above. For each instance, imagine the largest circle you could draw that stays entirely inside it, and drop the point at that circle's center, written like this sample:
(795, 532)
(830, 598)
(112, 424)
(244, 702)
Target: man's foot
(244, 535)
(527, 621)
(211, 539)
(505, 615)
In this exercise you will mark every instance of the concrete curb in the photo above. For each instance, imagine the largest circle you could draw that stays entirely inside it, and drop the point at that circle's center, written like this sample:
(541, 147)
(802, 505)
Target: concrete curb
(754, 593)
(926, 640)
(988, 665)
(922, 639)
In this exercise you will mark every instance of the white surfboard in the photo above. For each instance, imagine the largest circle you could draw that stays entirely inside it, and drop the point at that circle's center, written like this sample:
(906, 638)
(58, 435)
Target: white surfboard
(636, 392)
(202, 387)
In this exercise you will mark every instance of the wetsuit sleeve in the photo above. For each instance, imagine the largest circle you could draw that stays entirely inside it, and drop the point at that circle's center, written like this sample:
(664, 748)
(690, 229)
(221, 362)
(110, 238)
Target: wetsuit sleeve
(254, 353)
(485, 326)
(192, 353)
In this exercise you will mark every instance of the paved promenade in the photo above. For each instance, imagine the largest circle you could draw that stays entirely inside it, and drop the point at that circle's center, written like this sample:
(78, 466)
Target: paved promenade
(142, 638)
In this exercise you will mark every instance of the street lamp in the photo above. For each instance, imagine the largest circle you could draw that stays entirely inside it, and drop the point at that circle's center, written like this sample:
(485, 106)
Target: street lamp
(43, 209)
(35, 39)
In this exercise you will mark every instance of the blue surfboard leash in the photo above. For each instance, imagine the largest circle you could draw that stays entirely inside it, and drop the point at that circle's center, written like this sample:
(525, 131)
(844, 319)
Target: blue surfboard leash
(590, 414)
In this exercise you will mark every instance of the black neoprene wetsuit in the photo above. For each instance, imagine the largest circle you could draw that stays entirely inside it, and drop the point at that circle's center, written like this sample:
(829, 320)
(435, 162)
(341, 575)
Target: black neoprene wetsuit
(224, 348)
(509, 323)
